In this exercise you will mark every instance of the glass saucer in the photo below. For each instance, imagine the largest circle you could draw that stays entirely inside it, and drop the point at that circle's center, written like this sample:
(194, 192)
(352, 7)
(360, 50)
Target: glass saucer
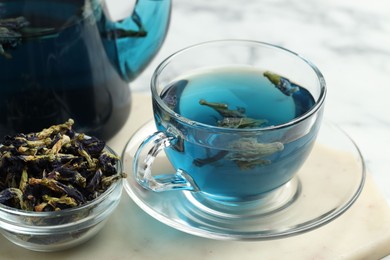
(329, 182)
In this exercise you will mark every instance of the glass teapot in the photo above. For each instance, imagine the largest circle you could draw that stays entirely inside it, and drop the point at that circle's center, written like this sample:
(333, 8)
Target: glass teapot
(63, 59)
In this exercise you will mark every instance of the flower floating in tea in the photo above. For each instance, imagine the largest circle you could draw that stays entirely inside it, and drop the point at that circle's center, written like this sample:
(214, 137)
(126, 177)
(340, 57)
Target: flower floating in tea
(281, 83)
(245, 122)
(223, 109)
(233, 118)
(14, 30)
(54, 169)
(10, 36)
(247, 153)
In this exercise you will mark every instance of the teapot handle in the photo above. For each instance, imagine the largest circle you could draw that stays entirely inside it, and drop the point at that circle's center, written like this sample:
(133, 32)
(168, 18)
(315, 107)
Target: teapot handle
(133, 41)
(117, 10)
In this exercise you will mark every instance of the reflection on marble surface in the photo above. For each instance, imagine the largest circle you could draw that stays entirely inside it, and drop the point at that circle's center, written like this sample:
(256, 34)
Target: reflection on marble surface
(348, 40)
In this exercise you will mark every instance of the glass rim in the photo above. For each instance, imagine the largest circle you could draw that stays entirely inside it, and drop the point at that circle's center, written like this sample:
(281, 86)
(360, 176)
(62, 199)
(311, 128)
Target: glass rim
(318, 104)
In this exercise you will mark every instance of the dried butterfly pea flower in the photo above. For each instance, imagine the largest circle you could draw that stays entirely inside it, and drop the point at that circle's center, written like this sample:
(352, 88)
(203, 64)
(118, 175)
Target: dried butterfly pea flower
(54, 169)
(14, 23)
(11, 196)
(58, 187)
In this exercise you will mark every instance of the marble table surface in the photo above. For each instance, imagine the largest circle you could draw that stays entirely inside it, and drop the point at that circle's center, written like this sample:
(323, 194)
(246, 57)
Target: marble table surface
(348, 40)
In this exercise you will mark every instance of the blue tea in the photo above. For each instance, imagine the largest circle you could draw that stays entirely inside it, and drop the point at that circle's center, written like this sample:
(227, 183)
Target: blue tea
(63, 59)
(237, 98)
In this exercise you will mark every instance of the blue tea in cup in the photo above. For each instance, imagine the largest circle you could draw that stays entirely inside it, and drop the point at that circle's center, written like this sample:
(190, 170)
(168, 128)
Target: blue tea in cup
(236, 119)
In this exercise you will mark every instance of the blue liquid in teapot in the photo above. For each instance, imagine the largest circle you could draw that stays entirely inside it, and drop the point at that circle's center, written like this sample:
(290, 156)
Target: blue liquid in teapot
(64, 59)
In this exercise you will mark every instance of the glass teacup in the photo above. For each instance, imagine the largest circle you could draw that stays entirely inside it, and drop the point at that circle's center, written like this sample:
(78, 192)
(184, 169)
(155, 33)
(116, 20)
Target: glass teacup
(236, 119)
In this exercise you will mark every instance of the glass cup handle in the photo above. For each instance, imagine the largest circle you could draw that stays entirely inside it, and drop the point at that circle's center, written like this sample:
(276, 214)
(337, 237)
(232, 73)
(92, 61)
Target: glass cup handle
(142, 167)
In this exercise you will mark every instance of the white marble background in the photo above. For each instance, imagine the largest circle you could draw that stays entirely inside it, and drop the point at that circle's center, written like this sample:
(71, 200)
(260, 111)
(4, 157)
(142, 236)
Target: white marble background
(349, 40)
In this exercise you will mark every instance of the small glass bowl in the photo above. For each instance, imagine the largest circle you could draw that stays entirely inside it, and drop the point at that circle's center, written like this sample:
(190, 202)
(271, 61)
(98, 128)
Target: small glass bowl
(58, 230)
